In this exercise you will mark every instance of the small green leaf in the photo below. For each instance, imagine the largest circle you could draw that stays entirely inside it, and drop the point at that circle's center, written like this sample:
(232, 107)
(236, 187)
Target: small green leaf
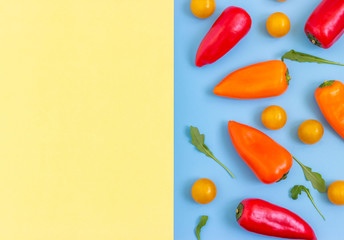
(297, 190)
(315, 178)
(201, 224)
(197, 140)
(303, 57)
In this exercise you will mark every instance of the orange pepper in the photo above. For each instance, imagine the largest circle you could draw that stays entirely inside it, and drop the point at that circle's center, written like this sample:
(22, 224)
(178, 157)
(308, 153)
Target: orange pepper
(269, 161)
(330, 98)
(260, 80)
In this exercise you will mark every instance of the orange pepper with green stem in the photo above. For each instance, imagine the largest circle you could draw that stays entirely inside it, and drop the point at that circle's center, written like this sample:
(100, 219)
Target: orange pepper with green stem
(330, 98)
(264, 79)
(260, 80)
(269, 161)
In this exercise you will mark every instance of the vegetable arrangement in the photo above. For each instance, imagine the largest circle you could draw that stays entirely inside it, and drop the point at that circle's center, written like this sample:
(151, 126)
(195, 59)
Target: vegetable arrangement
(268, 160)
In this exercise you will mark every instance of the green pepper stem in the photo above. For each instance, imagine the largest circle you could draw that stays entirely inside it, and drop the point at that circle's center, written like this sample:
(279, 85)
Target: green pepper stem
(326, 83)
(284, 176)
(288, 78)
(239, 211)
(313, 40)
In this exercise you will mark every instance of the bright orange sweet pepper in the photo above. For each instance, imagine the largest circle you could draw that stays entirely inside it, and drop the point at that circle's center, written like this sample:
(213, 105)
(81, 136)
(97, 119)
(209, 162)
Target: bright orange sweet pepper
(269, 161)
(330, 98)
(260, 80)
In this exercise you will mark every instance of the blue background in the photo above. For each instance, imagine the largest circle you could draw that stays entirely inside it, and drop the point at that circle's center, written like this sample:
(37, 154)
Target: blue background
(196, 105)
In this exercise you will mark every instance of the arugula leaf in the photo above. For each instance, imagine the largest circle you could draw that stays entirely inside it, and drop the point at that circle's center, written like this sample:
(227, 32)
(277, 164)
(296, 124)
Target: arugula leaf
(197, 140)
(315, 178)
(303, 57)
(297, 190)
(201, 224)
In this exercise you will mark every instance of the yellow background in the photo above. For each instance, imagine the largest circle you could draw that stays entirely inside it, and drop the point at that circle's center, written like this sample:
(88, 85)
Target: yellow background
(86, 119)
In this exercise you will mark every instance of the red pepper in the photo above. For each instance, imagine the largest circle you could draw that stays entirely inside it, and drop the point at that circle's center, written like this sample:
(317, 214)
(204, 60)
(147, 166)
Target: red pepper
(264, 218)
(232, 25)
(326, 24)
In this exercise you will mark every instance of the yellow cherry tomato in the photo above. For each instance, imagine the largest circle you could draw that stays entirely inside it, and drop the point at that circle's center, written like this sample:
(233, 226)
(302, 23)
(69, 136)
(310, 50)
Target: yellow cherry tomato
(202, 8)
(274, 117)
(281, 0)
(335, 192)
(278, 24)
(203, 191)
(310, 131)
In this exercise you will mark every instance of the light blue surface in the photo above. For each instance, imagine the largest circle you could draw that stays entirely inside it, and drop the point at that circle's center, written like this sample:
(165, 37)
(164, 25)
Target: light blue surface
(196, 105)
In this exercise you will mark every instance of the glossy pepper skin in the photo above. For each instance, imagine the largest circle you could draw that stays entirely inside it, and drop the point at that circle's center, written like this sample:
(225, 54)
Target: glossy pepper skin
(260, 80)
(269, 161)
(330, 98)
(232, 25)
(259, 216)
(326, 24)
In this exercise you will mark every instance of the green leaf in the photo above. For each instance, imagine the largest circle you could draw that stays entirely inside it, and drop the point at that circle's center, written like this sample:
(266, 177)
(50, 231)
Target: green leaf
(201, 224)
(197, 140)
(315, 178)
(297, 190)
(303, 57)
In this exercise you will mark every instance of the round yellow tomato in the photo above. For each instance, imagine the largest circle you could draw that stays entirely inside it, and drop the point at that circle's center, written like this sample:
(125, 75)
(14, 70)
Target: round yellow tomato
(281, 0)
(310, 131)
(202, 8)
(278, 24)
(274, 117)
(203, 191)
(335, 192)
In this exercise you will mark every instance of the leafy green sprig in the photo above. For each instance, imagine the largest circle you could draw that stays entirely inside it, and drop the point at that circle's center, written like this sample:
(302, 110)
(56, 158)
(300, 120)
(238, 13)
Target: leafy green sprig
(197, 140)
(201, 224)
(297, 190)
(303, 57)
(315, 178)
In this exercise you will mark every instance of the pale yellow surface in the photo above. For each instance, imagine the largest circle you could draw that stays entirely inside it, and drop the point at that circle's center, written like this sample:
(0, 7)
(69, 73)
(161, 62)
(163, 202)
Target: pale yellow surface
(86, 119)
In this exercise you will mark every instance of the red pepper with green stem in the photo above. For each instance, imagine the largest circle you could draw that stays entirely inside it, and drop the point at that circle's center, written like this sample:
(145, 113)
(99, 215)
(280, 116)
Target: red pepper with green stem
(232, 25)
(326, 24)
(259, 216)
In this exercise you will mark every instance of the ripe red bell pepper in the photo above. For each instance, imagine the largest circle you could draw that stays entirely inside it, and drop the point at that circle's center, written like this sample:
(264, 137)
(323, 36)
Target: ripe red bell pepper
(232, 25)
(259, 216)
(326, 24)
